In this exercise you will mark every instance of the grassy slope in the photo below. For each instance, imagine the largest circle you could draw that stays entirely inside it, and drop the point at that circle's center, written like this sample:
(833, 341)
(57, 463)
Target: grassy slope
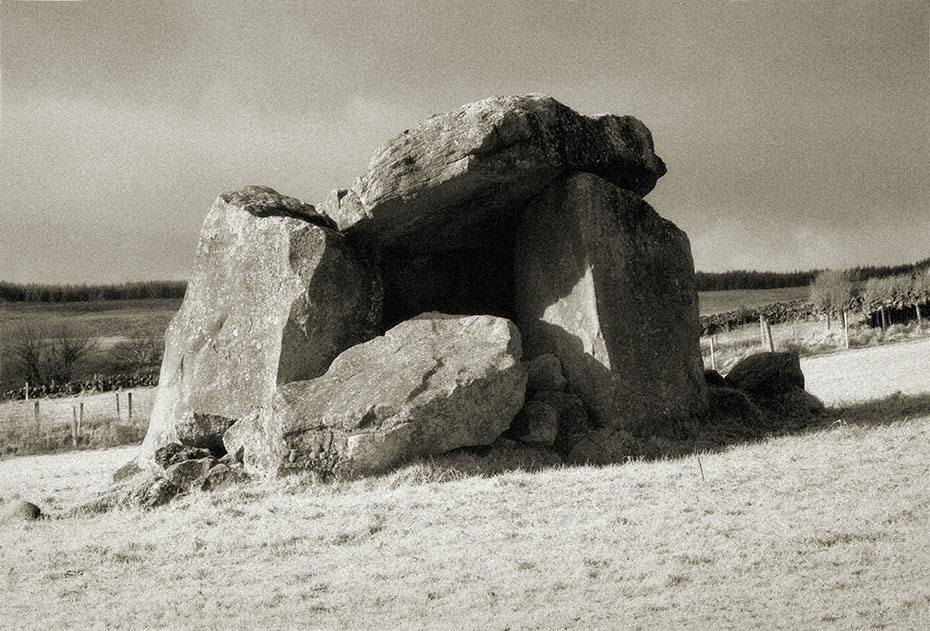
(822, 530)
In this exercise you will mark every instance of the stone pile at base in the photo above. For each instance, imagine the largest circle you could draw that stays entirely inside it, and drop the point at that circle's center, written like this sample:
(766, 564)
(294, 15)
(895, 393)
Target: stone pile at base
(495, 273)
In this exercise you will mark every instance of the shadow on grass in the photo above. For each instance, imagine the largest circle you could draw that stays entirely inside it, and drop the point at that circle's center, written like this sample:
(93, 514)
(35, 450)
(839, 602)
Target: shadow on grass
(893, 408)
(674, 440)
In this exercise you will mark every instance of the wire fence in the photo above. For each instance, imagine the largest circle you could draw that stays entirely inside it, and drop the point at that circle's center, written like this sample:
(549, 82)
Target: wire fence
(85, 421)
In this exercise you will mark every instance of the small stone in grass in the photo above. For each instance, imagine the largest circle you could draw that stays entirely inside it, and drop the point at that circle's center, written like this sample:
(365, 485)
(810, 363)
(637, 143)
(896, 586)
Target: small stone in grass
(25, 511)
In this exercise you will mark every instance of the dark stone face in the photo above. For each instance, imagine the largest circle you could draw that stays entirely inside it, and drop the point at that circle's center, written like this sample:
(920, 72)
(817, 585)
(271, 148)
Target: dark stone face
(475, 280)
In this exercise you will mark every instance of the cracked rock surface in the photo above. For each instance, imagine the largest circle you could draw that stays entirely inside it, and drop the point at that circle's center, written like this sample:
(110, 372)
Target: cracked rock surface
(427, 386)
(273, 297)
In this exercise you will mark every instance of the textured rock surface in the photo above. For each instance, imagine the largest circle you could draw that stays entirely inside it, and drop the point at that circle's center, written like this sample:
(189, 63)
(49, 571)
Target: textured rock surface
(536, 424)
(274, 297)
(154, 492)
(607, 285)
(450, 182)
(427, 386)
(545, 373)
(185, 473)
(572, 417)
(766, 375)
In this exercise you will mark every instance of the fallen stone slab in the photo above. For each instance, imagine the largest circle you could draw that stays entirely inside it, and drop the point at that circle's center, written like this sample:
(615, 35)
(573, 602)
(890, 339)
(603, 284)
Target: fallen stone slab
(427, 386)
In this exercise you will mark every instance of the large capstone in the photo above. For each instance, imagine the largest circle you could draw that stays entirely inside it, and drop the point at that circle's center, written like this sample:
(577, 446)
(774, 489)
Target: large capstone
(607, 285)
(275, 295)
(451, 181)
(429, 385)
(440, 202)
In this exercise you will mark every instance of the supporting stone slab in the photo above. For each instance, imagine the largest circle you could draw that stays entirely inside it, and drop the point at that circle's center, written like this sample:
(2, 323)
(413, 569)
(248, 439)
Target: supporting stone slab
(607, 285)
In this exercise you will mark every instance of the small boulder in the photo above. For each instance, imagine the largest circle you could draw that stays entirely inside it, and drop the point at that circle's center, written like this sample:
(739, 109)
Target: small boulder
(767, 375)
(154, 492)
(733, 410)
(537, 424)
(186, 472)
(232, 459)
(573, 419)
(174, 453)
(545, 373)
(427, 386)
(127, 471)
(21, 510)
(219, 477)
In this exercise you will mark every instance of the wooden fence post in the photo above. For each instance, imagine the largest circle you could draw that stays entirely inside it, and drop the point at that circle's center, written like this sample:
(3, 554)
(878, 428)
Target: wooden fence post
(845, 330)
(117, 405)
(74, 427)
(768, 336)
(129, 405)
(920, 324)
(36, 413)
(713, 356)
(762, 329)
(81, 416)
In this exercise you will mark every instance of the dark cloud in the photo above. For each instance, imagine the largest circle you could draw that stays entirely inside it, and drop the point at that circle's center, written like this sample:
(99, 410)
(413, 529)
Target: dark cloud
(795, 132)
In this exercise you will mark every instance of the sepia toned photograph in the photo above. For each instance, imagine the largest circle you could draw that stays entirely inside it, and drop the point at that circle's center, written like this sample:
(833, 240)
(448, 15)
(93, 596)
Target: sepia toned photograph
(465, 314)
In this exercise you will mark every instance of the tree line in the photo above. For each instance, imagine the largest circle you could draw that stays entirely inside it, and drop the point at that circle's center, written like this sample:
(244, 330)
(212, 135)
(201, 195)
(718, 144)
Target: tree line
(706, 281)
(835, 293)
(14, 292)
(742, 279)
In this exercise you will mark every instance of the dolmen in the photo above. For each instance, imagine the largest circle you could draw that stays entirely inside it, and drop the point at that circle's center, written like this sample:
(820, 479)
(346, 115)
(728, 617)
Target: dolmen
(495, 273)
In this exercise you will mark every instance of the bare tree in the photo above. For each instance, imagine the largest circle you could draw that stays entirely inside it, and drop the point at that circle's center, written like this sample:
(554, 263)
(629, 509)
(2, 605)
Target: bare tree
(67, 351)
(25, 351)
(40, 355)
(138, 354)
(831, 293)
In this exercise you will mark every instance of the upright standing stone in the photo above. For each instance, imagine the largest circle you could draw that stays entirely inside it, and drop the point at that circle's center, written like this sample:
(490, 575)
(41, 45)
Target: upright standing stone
(275, 295)
(607, 285)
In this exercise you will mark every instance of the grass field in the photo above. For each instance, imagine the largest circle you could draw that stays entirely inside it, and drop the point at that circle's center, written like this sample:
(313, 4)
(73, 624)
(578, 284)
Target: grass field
(711, 302)
(822, 530)
(103, 319)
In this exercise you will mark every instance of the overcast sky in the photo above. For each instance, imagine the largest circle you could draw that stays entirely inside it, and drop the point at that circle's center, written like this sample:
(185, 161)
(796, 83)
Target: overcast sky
(795, 131)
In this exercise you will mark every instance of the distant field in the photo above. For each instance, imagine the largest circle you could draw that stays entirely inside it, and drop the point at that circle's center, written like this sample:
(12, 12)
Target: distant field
(720, 301)
(149, 318)
(103, 319)
(108, 321)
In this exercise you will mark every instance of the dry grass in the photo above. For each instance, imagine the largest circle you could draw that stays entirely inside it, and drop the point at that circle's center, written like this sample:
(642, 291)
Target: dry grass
(101, 428)
(822, 530)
